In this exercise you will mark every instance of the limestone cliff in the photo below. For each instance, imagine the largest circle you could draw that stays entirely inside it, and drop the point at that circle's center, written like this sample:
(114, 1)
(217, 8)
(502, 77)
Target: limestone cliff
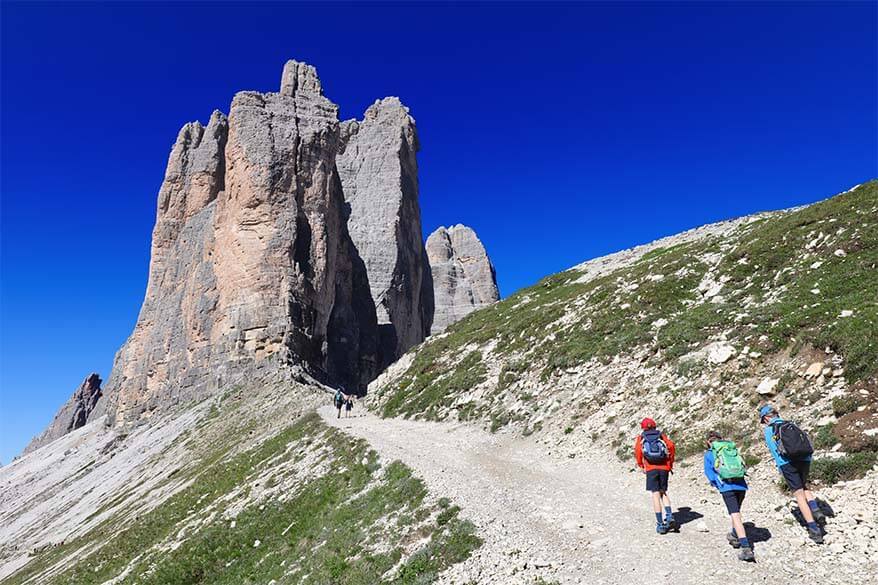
(379, 174)
(251, 257)
(463, 276)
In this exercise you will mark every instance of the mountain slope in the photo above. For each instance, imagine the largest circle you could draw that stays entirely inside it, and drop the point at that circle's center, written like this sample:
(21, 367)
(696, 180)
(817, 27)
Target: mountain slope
(694, 330)
(247, 487)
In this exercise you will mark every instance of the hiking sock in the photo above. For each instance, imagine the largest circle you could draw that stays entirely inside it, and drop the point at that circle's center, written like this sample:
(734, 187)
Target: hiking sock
(669, 516)
(658, 518)
(813, 505)
(812, 526)
(745, 542)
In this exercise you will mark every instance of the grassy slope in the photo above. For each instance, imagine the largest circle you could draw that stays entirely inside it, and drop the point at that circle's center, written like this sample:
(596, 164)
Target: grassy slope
(343, 519)
(784, 287)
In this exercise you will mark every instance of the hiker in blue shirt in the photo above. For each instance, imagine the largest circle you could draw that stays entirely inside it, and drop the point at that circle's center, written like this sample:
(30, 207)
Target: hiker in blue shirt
(722, 458)
(795, 473)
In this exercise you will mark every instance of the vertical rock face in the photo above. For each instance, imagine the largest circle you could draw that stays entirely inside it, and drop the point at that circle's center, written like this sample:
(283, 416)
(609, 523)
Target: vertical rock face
(291, 280)
(169, 350)
(379, 174)
(73, 414)
(284, 239)
(463, 276)
(251, 257)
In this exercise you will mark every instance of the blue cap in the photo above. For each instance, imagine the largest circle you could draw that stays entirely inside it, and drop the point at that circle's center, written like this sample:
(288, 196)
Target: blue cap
(766, 410)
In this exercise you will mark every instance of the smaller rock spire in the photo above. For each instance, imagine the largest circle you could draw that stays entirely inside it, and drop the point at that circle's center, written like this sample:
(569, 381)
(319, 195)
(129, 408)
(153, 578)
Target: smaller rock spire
(299, 77)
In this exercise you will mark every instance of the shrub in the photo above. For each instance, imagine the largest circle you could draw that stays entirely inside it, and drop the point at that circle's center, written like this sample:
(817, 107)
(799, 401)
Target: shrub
(854, 466)
(824, 438)
(846, 404)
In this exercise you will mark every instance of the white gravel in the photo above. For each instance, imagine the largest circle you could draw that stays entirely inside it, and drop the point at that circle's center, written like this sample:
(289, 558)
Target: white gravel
(588, 520)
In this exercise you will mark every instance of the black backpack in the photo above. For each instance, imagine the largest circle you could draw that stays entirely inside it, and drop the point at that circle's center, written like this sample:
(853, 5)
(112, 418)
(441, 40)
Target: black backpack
(792, 442)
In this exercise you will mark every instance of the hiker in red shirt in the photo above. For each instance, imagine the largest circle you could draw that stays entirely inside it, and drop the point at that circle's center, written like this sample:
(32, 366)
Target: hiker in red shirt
(654, 454)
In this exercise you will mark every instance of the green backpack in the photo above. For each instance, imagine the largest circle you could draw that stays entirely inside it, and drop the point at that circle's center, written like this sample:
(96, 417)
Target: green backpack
(727, 461)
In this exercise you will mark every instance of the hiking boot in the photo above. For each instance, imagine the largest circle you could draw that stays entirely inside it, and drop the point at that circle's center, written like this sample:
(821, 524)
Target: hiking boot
(733, 540)
(746, 554)
(661, 528)
(816, 535)
(819, 517)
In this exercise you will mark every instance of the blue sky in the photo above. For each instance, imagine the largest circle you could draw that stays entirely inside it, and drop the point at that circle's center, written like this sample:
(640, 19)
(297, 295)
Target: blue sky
(559, 132)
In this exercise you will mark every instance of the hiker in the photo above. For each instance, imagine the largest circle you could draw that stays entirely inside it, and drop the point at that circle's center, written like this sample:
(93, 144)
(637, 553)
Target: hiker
(339, 401)
(654, 454)
(348, 406)
(792, 449)
(724, 469)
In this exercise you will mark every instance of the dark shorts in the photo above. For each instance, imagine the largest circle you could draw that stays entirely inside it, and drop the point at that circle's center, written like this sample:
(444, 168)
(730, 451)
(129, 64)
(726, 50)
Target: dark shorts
(657, 480)
(796, 474)
(733, 500)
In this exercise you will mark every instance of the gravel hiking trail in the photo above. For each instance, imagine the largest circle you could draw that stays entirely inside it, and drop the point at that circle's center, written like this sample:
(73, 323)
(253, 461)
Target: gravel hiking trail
(546, 517)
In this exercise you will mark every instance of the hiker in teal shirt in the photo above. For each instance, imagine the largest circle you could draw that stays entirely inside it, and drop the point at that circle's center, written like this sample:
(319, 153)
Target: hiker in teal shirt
(732, 490)
(795, 473)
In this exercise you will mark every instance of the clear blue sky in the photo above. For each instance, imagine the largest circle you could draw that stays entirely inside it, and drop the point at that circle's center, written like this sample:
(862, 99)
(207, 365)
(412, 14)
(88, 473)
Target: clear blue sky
(559, 132)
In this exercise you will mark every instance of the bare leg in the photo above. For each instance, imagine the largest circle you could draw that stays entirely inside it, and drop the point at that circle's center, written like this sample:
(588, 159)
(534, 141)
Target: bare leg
(657, 502)
(738, 525)
(803, 506)
(666, 500)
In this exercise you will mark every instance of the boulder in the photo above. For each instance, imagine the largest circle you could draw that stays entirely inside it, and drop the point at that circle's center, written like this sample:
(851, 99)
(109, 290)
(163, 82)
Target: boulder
(814, 370)
(719, 353)
(767, 387)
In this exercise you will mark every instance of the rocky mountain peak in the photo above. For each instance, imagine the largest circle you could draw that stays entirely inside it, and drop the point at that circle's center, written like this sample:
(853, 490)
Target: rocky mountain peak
(378, 168)
(285, 240)
(73, 414)
(299, 77)
(463, 277)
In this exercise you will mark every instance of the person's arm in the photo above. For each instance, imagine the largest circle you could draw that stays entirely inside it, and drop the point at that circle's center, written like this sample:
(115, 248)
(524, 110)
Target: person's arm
(768, 433)
(709, 471)
(638, 452)
(672, 452)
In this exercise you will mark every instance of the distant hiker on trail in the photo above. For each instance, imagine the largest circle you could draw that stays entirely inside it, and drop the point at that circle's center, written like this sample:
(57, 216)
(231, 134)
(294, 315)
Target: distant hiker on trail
(654, 453)
(724, 469)
(792, 449)
(348, 406)
(339, 401)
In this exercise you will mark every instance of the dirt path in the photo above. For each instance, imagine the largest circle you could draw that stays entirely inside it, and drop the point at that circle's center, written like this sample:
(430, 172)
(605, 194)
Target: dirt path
(587, 519)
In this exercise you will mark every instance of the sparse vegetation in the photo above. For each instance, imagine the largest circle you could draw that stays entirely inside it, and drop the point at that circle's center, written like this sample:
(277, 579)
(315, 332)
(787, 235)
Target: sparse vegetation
(355, 493)
(824, 438)
(831, 470)
(768, 271)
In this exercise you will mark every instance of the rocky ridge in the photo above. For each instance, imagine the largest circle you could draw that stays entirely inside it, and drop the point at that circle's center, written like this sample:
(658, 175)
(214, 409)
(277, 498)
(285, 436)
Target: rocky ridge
(463, 276)
(72, 415)
(695, 330)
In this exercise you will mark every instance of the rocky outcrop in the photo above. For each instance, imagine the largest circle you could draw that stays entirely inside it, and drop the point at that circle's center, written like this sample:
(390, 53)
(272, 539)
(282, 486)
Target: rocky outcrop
(379, 174)
(252, 262)
(73, 414)
(463, 276)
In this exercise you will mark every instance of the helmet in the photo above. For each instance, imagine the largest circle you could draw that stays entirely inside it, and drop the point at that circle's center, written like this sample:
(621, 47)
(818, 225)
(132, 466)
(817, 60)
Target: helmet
(647, 423)
(766, 410)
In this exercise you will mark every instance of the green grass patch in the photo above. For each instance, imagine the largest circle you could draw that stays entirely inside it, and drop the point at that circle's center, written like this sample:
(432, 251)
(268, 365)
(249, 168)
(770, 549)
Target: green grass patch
(322, 533)
(853, 466)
